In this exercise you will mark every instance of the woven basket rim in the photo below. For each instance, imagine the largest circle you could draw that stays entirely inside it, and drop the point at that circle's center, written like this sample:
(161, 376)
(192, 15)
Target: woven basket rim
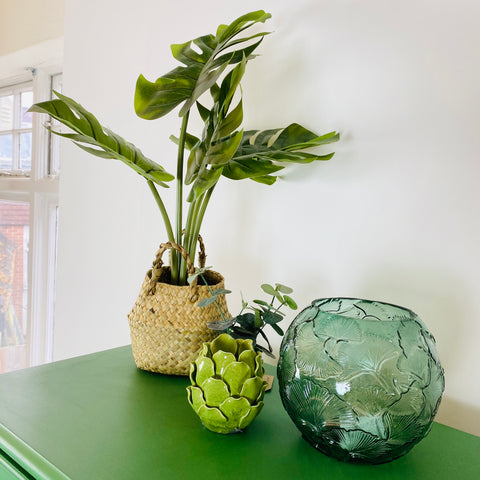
(216, 278)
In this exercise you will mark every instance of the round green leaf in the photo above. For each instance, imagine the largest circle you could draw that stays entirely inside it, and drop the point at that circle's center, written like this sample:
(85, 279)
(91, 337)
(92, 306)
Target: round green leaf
(290, 302)
(279, 297)
(207, 301)
(220, 291)
(271, 318)
(221, 325)
(283, 288)
(246, 320)
(277, 329)
(268, 289)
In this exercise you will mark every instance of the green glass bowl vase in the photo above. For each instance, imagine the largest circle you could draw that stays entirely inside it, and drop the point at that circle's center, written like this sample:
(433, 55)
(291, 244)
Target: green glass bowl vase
(360, 379)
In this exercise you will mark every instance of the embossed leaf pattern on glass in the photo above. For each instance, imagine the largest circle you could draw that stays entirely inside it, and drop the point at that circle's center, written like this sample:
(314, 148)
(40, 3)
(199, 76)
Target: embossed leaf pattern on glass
(361, 380)
(313, 357)
(289, 371)
(319, 407)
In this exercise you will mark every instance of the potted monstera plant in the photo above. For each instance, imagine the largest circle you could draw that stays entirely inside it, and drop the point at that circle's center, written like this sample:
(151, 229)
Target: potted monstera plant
(167, 326)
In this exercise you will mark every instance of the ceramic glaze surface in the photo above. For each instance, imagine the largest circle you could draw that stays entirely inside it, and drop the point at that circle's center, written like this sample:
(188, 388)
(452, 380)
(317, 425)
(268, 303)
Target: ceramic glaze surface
(227, 384)
(361, 380)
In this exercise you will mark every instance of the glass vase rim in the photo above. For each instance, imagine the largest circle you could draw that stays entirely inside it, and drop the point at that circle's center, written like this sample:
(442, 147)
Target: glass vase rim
(412, 316)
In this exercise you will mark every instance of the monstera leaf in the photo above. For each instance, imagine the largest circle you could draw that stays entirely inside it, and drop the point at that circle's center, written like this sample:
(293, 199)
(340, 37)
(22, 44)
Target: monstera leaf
(259, 153)
(201, 71)
(220, 139)
(105, 143)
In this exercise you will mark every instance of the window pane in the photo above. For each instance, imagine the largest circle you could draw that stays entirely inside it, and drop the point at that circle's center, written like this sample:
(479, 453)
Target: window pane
(26, 151)
(27, 100)
(6, 112)
(14, 237)
(6, 151)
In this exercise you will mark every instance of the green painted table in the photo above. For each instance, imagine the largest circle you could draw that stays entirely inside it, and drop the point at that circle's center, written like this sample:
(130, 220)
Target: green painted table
(97, 417)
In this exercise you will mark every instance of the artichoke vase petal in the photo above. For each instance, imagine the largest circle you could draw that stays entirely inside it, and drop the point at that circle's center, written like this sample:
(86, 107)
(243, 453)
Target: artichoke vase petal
(192, 374)
(225, 343)
(235, 409)
(235, 376)
(195, 398)
(244, 344)
(251, 389)
(205, 369)
(216, 392)
(262, 392)
(248, 356)
(249, 417)
(205, 351)
(213, 419)
(259, 371)
(221, 360)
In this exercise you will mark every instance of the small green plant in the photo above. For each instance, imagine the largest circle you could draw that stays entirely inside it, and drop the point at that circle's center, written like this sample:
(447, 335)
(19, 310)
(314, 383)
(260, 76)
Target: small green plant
(250, 324)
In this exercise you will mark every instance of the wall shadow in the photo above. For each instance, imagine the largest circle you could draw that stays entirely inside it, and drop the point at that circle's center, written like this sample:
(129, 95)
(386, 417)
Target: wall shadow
(461, 415)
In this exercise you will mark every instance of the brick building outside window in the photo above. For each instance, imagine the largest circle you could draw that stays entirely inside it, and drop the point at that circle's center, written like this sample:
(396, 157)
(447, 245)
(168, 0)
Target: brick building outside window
(14, 240)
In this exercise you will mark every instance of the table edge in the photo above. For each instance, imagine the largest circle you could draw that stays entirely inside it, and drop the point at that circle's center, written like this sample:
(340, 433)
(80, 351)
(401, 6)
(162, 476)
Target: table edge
(28, 458)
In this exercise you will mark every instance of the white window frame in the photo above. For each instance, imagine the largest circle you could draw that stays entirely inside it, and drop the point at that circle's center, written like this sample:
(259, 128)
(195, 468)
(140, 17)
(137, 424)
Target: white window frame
(16, 130)
(40, 190)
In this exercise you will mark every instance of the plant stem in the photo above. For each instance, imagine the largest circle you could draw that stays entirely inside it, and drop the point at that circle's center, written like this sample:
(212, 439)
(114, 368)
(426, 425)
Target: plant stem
(199, 214)
(181, 147)
(277, 309)
(205, 201)
(188, 226)
(163, 211)
(192, 235)
(262, 333)
(188, 237)
(166, 221)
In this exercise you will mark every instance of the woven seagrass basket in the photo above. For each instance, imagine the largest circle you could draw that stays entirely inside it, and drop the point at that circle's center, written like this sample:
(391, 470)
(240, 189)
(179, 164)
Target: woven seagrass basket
(167, 328)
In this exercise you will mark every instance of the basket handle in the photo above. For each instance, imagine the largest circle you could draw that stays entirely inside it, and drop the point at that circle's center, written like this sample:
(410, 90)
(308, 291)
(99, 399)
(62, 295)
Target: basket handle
(202, 256)
(158, 262)
(201, 252)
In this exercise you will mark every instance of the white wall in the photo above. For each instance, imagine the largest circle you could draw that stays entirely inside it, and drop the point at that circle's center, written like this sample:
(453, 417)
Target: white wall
(28, 22)
(393, 217)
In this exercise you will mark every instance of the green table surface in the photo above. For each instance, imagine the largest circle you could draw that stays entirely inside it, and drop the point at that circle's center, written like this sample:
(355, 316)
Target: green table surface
(98, 417)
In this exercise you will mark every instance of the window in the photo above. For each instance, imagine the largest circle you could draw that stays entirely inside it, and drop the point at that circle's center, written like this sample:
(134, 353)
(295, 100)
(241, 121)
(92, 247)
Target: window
(29, 168)
(16, 129)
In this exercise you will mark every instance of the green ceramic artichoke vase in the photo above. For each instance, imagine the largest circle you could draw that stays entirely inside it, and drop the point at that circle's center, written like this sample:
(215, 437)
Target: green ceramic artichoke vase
(361, 380)
(227, 384)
